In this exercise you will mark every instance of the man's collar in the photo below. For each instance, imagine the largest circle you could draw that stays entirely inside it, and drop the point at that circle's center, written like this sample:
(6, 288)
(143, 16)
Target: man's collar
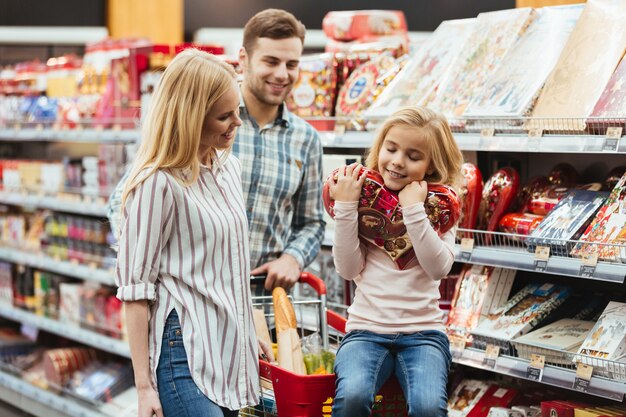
(283, 116)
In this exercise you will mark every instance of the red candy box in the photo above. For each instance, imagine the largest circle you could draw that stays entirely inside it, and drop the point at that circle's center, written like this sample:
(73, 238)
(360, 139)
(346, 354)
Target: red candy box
(471, 193)
(380, 214)
(498, 195)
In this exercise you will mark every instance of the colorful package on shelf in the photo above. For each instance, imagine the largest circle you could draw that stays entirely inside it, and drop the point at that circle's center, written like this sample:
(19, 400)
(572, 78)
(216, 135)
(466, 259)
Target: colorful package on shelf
(568, 94)
(495, 396)
(534, 187)
(471, 195)
(313, 93)
(494, 35)
(59, 364)
(557, 341)
(519, 223)
(566, 221)
(607, 228)
(522, 313)
(363, 24)
(46, 287)
(465, 396)
(69, 303)
(101, 382)
(474, 289)
(607, 339)
(612, 102)
(560, 408)
(418, 81)
(6, 282)
(515, 85)
(498, 195)
(380, 214)
(356, 95)
(13, 343)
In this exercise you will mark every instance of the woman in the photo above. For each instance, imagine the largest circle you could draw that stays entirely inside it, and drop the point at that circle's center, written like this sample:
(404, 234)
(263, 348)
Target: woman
(183, 262)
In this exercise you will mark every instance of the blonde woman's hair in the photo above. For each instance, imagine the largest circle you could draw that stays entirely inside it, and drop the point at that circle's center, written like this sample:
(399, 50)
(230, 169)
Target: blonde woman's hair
(170, 136)
(445, 156)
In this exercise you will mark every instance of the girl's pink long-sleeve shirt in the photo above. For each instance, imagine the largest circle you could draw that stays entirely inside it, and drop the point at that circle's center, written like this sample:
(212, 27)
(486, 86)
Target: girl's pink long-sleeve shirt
(389, 299)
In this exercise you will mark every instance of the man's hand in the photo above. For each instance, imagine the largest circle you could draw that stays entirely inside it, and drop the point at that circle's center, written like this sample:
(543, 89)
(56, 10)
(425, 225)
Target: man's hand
(282, 272)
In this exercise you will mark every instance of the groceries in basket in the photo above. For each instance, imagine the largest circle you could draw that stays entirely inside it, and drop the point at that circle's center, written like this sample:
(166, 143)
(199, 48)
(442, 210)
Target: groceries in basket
(317, 360)
(380, 214)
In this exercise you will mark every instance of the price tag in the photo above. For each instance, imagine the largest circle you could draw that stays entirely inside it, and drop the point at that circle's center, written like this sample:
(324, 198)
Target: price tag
(588, 264)
(534, 139)
(457, 346)
(491, 356)
(535, 369)
(340, 129)
(467, 246)
(30, 332)
(17, 126)
(611, 141)
(117, 127)
(486, 138)
(39, 127)
(542, 254)
(584, 373)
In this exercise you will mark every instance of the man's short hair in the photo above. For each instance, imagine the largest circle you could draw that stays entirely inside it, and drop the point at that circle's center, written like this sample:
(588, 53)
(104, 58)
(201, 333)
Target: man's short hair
(273, 24)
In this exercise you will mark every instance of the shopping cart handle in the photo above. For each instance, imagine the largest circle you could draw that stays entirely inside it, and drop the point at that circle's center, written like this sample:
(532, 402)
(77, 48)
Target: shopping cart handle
(306, 278)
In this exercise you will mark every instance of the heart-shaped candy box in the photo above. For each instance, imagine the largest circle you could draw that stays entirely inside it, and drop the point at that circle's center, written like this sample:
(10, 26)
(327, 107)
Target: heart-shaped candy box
(380, 214)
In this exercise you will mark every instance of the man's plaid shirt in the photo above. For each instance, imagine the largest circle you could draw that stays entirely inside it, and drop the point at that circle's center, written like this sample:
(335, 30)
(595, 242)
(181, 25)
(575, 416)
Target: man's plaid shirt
(282, 182)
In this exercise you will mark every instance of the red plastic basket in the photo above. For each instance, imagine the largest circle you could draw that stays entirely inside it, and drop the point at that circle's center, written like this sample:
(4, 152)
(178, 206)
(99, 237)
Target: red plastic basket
(312, 395)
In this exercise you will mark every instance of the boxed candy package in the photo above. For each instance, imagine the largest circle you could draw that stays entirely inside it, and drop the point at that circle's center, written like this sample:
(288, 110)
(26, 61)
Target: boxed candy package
(380, 214)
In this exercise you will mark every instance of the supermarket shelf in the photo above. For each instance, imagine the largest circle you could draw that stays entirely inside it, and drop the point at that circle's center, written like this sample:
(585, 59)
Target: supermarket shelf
(69, 269)
(54, 203)
(503, 143)
(523, 260)
(39, 134)
(555, 376)
(39, 402)
(69, 331)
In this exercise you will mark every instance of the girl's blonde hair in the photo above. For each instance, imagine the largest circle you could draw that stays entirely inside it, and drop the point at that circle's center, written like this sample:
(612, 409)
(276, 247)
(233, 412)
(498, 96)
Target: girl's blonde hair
(171, 131)
(446, 158)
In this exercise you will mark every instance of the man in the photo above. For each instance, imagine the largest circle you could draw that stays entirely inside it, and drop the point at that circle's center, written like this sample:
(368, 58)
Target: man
(281, 155)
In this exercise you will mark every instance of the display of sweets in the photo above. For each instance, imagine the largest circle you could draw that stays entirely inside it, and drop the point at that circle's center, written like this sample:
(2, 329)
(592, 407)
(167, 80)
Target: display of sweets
(498, 195)
(313, 95)
(566, 221)
(608, 229)
(568, 94)
(364, 25)
(516, 84)
(522, 313)
(100, 382)
(494, 35)
(418, 81)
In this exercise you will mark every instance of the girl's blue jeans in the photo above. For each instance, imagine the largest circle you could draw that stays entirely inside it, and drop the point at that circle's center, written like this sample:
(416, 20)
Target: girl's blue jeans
(179, 394)
(420, 361)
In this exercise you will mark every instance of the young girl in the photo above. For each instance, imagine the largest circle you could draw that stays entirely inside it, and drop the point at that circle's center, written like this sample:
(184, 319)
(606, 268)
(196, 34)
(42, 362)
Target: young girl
(395, 326)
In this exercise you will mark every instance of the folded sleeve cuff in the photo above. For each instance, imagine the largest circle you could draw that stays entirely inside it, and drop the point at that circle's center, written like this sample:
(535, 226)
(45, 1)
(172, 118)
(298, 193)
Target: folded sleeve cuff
(136, 292)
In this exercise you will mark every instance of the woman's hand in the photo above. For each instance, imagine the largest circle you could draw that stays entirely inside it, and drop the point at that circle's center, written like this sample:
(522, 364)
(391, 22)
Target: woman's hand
(413, 193)
(266, 350)
(149, 403)
(348, 185)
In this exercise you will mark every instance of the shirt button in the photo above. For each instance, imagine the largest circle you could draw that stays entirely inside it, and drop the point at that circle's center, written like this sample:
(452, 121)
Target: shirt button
(171, 343)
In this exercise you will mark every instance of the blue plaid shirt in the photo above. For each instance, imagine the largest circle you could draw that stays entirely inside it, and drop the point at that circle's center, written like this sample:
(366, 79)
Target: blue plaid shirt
(282, 184)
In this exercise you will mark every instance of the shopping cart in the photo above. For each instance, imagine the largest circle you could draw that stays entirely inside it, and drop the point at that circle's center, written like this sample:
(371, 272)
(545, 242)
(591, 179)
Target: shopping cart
(285, 394)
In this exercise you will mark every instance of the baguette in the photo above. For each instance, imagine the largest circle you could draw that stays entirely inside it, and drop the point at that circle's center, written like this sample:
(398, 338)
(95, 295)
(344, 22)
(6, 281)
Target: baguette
(284, 315)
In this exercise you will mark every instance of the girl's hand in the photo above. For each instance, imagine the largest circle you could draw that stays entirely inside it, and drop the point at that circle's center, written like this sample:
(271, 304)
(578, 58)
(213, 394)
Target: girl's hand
(413, 193)
(265, 352)
(348, 185)
(149, 403)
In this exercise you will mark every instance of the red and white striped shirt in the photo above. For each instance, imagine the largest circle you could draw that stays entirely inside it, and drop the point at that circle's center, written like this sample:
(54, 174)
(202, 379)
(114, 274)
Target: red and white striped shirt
(187, 248)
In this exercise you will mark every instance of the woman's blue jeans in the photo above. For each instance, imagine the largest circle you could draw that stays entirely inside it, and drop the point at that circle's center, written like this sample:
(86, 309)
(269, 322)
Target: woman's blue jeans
(420, 361)
(179, 394)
